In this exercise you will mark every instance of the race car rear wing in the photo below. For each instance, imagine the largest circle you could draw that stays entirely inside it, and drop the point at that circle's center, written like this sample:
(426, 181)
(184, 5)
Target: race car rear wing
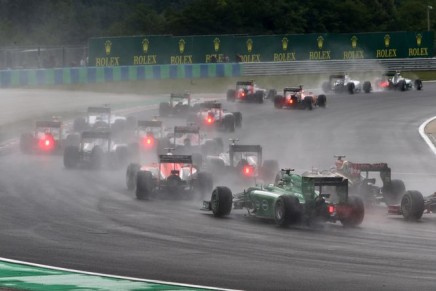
(292, 89)
(99, 110)
(149, 123)
(48, 123)
(97, 134)
(244, 83)
(365, 167)
(341, 184)
(338, 76)
(211, 105)
(180, 95)
(239, 148)
(176, 159)
(186, 129)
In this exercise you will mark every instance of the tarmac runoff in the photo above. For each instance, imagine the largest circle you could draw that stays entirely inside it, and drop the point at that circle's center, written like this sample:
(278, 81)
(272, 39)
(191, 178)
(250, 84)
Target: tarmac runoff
(427, 130)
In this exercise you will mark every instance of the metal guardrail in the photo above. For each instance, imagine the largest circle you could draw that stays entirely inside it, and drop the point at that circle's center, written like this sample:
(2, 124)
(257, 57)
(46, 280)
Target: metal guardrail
(338, 66)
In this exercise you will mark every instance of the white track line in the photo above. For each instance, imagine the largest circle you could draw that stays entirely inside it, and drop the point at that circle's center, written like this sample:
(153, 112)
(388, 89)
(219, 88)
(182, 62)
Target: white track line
(425, 136)
(111, 276)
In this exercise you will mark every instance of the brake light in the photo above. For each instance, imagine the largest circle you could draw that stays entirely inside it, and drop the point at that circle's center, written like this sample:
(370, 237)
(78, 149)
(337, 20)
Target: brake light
(331, 209)
(247, 170)
(290, 101)
(148, 141)
(46, 143)
(384, 84)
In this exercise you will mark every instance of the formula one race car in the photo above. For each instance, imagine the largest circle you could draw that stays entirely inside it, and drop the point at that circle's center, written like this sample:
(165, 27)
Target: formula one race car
(150, 137)
(246, 91)
(413, 204)
(361, 184)
(98, 118)
(174, 175)
(180, 104)
(296, 97)
(343, 83)
(243, 161)
(189, 140)
(95, 150)
(307, 199)
(394, 81)
(48, 137)
(212, 116)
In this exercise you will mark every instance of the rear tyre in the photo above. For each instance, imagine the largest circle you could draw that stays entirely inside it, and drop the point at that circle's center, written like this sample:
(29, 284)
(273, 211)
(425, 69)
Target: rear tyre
(71, 157)
(229, 123)
(356, 213)
(231, 95)
(402, 85)
(418, 84)
(308, 102)
(144, 185)
(72, 140)
(164, 109)
(221, 201)
(367, 86)
(238, 119)
(131, 174)
(412, 205)
(278, 102)
(350, 88)
(259, 97)
(287, 210)
(322, 101)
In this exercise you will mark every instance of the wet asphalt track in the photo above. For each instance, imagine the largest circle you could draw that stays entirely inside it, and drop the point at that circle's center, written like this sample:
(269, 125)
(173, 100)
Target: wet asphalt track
(88, 221)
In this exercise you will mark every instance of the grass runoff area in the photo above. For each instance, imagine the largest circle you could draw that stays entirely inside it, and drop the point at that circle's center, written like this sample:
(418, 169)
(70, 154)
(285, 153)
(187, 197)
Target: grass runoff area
(217, 85)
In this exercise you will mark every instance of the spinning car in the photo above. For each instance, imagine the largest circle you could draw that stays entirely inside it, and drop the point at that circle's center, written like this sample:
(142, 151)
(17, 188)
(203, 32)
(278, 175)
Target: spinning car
(363, 185)
(212, 116)
(296, 97)
(343, 83)
(243, 161)
(179, 104)
(174, 175)
(246, 91)
(95, 150)
(307, 198)
(48, 137)
(394, 81)
(102, 118)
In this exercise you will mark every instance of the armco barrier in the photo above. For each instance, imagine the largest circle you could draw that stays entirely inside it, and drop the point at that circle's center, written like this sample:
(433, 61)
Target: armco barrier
(85, 75)
(89, 75)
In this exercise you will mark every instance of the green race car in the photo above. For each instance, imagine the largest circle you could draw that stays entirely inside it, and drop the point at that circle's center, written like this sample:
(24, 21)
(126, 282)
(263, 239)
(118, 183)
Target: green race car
(307, 198)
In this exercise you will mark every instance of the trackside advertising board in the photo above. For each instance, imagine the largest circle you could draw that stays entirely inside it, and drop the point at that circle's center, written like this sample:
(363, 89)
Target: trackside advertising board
(176, 50)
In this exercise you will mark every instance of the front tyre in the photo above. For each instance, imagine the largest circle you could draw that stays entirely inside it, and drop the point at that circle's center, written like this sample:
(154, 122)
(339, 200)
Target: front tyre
(350, 88)
(221, 201)
(144, 185)
(131, 173)
(412, 205)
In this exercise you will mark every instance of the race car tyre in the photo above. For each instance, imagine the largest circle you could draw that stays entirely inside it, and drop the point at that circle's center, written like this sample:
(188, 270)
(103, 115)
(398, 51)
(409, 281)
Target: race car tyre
(402, 85)
(121, 156)
(322, 101)
(131, 173)
(258, 96)
(325, 87)
(144, 185)
(287, 211)
(269, 170)
(229, 123)
(72, 140)
(80, 124)
(350, 88)
(367, 87)
(26, 143)
(238, 119)
(418, 84)
(164, 109)
(221, 201)
(356, 212)
(197, 160)
(204, 183)
(118, 127)
(278, 102)
(71, 157)
(308, 102)
(393, 193)
(231, 95)
(96, 160)
(412, 205)
(271, 94)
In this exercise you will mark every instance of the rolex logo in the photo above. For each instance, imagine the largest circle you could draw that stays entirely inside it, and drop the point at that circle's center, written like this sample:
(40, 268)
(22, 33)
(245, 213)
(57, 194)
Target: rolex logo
(145, 44)
(216, 44)
(387, 40)
(182, 45)
(285, 43)
(107, 47)
(249, 45)
(354, 42)
(320, 42)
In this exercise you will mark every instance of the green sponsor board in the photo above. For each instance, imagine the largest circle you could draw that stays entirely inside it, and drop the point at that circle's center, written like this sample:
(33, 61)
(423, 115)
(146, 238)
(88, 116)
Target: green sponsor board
(166, 49)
